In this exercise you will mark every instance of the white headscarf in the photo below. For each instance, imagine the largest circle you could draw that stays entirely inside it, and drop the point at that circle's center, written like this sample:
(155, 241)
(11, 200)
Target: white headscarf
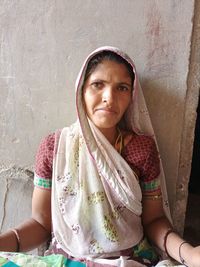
(137, 116)
(96, 198)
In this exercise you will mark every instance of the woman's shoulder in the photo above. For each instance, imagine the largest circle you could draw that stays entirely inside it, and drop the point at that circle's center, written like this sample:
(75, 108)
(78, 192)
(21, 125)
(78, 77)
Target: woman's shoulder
(142, 155)
(47, 147)
(48, 142)
(139, 147)
(133, 139)
(44, 159)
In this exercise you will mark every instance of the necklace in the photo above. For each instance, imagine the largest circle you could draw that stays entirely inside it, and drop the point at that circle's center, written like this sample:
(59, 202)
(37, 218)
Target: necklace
(119, 143)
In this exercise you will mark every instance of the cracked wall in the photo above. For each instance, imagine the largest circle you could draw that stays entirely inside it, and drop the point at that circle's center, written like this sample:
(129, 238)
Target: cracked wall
(15, 199)
(42, 46)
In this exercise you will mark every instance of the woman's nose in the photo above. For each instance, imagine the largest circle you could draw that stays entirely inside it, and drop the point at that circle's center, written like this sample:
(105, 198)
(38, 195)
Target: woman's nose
(108, 95)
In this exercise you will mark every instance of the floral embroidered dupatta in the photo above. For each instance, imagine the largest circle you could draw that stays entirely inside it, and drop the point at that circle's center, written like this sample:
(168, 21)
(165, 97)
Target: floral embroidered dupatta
(96, 198)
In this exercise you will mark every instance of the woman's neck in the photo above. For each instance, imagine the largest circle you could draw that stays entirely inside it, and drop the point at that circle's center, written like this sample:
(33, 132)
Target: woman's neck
(110, 134)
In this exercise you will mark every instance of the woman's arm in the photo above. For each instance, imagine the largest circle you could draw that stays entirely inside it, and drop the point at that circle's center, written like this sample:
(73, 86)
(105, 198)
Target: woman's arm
(34, 231)
(156, 227)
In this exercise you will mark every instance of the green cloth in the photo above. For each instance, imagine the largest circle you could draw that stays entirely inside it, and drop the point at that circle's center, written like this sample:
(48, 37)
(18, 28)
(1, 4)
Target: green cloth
(26, 260)
(70, 263)
(6, 263)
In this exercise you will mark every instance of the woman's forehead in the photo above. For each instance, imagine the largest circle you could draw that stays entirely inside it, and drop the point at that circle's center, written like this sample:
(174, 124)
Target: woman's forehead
(109, 67)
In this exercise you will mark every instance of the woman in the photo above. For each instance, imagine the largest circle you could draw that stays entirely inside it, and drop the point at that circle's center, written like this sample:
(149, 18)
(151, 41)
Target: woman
(97, 182)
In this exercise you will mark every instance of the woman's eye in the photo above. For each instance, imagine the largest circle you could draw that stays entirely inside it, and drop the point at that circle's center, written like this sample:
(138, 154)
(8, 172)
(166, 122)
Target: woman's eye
(97, 85)
(123, 88)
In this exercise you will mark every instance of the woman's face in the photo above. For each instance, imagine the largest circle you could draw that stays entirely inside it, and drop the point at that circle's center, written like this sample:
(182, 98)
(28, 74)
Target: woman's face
(107, 94)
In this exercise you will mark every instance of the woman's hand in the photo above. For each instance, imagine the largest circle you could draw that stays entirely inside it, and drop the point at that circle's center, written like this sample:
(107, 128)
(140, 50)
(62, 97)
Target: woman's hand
(33, 231)
(8, 241)
(192, 258)
(156, 226)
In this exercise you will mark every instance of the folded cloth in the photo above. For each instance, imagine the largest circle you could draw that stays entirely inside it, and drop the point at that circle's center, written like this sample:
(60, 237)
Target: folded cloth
(6, 263)
(9, 259)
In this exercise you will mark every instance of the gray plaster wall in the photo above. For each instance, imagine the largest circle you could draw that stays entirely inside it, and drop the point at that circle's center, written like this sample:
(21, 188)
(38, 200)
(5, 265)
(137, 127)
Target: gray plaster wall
(42, 45)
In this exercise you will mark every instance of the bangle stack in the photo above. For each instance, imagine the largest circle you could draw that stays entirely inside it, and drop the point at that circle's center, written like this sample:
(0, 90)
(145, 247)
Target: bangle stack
(15, 231)
(179, 251)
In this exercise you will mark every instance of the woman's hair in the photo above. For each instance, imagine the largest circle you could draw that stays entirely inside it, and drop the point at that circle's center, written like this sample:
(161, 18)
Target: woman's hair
(108, 55)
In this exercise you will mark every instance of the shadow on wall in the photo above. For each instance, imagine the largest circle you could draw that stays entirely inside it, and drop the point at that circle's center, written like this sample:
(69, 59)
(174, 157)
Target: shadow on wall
(167, 108)
(166, 111)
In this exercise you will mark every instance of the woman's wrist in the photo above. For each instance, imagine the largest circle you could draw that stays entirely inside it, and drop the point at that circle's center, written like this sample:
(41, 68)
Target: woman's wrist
(15, 240)
(8, 241)
(177, 248)
(168, 232)
(17, 237)
(185, 253)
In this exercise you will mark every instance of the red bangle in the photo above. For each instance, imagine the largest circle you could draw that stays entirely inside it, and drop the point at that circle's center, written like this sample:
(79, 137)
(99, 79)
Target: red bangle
(169, 231)
(17, 238)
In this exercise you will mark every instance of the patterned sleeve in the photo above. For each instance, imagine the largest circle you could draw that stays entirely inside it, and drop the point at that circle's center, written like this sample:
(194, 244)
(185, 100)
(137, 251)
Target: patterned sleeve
(142, 156)
(44, 162)
(150, 180)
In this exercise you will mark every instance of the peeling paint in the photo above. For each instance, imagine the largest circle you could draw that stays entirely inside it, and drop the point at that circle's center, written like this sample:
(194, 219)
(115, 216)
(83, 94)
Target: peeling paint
(15, 140)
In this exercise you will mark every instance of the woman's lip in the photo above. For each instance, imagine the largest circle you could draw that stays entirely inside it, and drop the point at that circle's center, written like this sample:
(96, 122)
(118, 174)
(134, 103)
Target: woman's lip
(106, 110)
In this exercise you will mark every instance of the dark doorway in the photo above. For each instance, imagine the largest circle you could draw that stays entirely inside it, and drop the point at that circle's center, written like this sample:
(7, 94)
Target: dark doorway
(192, 221)
(194, 184)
